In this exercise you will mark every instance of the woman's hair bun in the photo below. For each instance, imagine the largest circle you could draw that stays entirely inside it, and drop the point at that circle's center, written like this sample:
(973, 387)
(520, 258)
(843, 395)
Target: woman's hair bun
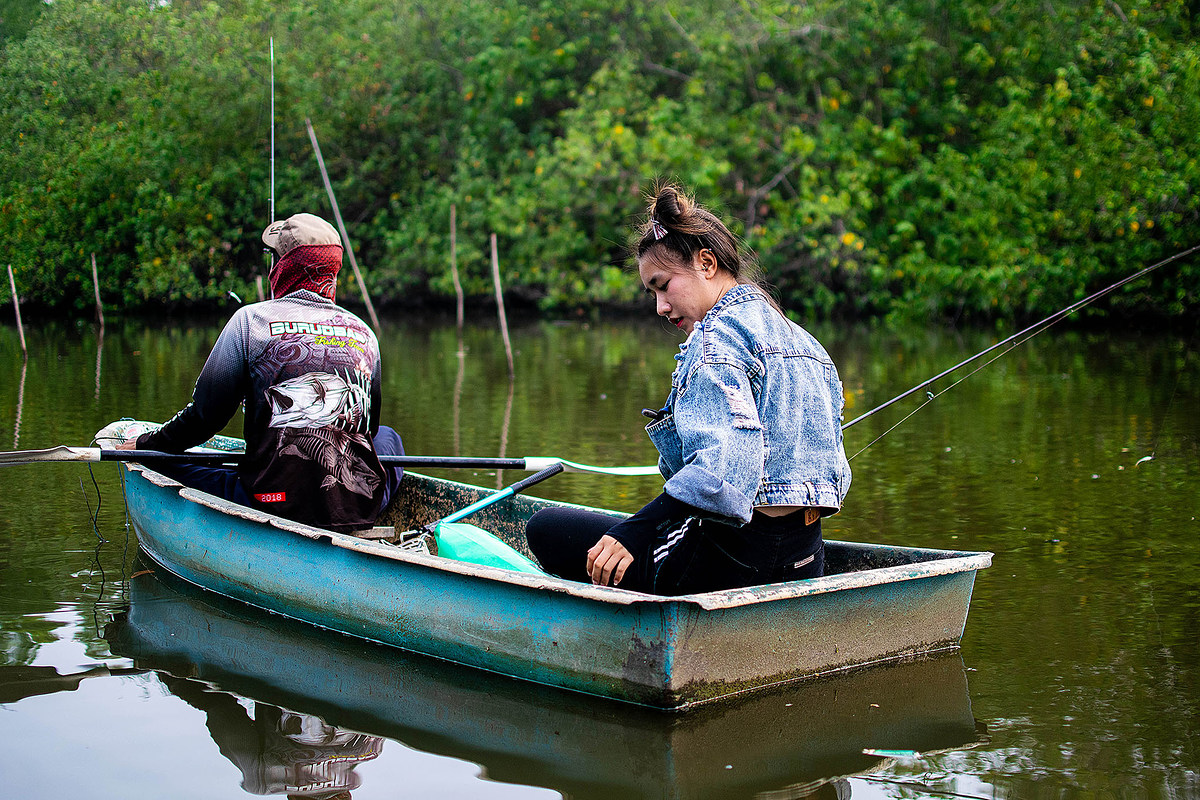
(670, 205)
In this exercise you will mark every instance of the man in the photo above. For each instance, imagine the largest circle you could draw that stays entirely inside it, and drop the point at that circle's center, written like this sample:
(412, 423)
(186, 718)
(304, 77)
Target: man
(308, 374)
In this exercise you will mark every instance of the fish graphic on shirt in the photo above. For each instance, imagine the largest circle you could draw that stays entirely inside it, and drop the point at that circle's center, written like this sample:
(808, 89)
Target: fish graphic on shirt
(322, 416)
(320, 400)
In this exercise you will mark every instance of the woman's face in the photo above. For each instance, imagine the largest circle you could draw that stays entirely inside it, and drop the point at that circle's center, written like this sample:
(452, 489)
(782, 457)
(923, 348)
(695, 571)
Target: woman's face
(684, 293)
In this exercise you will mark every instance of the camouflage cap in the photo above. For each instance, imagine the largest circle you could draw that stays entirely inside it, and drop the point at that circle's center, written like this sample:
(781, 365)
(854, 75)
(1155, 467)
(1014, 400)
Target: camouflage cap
(299, 230)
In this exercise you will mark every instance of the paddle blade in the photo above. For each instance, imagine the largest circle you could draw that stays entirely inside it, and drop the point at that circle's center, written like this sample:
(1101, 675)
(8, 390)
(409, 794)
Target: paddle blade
(541, 462)
(60, 453)
(462, 541)
(573, 467)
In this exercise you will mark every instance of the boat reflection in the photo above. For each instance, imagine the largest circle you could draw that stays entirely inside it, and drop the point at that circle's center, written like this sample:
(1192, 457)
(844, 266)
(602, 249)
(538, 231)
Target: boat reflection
(793, 741)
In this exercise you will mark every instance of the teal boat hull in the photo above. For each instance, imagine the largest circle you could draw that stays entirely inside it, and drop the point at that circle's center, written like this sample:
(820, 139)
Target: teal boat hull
(878, 603)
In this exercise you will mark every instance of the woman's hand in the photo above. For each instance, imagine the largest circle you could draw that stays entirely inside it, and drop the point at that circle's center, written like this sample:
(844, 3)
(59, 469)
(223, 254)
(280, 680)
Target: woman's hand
(608, 559)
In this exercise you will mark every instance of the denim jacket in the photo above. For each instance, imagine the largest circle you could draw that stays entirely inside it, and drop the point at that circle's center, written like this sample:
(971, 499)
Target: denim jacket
(754, 415)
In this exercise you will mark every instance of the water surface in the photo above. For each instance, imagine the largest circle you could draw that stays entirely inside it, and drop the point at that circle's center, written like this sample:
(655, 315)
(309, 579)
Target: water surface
(1075, 459)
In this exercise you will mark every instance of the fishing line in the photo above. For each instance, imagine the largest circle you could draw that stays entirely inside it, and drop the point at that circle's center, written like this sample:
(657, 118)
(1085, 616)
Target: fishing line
(931, 396)
(98, 567)
(1158, 428)
(99, 500)
(1015, 341)
(125, 577)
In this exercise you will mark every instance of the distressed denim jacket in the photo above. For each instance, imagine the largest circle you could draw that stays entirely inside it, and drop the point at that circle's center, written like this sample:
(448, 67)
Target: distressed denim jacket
(754, 415)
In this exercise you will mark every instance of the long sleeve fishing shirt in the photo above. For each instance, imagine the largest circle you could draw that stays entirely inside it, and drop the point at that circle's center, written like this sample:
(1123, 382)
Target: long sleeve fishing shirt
(308, 374)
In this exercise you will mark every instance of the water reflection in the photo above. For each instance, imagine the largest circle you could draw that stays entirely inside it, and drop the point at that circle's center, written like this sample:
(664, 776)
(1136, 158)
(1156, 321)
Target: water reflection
(799, 741)
(279, 751)
(99, 359)
(20, 404)
(19, 682)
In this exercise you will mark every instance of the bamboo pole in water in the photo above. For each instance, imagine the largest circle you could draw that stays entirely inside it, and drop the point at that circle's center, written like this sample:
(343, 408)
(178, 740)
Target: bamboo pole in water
(458, 290)
(96, 286)
(500, 306)
(12, 282)
(337, 215)
(258, 284)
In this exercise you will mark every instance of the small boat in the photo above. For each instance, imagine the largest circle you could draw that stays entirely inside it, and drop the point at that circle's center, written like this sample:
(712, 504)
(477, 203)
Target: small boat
(214, 651)
(875, 604)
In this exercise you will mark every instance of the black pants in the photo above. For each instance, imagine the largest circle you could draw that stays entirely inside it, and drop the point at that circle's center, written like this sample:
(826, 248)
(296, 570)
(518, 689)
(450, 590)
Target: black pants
(692, 555)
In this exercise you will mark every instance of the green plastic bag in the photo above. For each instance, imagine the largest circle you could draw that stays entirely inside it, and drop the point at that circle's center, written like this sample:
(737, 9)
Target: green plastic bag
(465, 542)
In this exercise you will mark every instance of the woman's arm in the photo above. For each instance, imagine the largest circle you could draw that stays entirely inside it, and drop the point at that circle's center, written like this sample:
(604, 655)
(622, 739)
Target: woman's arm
(723, 451)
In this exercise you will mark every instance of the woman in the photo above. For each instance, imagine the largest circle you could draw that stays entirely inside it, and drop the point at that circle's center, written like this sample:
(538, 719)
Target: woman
(749, 439)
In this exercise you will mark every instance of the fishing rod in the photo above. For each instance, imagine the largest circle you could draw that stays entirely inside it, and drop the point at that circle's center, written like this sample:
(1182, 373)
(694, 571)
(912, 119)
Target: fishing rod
(271, 206)
(271, 195)
(1032, 330)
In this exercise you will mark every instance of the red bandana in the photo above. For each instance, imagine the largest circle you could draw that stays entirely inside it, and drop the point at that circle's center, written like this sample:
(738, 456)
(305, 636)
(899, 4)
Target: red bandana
(313, 267)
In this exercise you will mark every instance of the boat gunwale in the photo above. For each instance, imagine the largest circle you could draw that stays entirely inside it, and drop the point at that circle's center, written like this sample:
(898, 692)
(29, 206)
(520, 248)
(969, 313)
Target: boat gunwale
(953, 563)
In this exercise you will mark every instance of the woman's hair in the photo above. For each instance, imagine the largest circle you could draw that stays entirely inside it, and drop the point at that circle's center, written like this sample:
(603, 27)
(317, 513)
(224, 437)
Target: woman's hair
(681, 227)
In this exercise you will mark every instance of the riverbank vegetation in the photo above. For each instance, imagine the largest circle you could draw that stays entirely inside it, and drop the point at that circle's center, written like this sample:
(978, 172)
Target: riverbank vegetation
(972, 160)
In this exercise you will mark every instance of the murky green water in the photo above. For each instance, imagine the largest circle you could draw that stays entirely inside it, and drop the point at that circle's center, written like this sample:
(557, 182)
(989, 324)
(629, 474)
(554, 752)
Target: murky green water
(1078, 675)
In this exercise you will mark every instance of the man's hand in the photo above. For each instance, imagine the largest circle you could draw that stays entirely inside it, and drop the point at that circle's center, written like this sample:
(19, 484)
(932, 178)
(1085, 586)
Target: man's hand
(128, 444)
(607, 560)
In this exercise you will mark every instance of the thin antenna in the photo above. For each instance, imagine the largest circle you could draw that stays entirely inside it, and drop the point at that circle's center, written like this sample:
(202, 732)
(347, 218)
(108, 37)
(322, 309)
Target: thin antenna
(271, 207)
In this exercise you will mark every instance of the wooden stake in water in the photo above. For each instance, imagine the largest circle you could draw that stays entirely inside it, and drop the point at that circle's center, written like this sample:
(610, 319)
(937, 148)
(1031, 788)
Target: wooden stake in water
(17, 308)
(500, 306)
(337, 215)
(96, 286)
(458, 290)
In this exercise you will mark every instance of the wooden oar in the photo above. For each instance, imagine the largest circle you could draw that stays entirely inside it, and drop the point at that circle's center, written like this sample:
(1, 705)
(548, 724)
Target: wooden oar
(92, 454)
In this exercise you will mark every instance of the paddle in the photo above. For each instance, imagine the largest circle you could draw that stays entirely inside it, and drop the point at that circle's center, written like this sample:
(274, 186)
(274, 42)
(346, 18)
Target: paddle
(508, 491)
(91, 454)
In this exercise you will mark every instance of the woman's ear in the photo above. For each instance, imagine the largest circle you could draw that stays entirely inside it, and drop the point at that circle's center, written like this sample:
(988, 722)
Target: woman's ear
(708, 262)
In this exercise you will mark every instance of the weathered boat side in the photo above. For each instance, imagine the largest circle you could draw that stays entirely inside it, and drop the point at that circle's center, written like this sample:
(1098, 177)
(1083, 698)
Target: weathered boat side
(663, 652)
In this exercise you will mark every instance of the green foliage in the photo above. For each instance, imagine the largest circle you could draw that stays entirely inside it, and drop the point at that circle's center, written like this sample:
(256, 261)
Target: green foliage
(963, 161)
(17, 17)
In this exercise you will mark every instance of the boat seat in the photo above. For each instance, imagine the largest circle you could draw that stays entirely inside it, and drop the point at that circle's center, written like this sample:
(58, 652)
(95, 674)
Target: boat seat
(378, 532)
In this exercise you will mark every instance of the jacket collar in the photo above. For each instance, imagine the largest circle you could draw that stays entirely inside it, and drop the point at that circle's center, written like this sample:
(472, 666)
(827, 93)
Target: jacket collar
(738, 294)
